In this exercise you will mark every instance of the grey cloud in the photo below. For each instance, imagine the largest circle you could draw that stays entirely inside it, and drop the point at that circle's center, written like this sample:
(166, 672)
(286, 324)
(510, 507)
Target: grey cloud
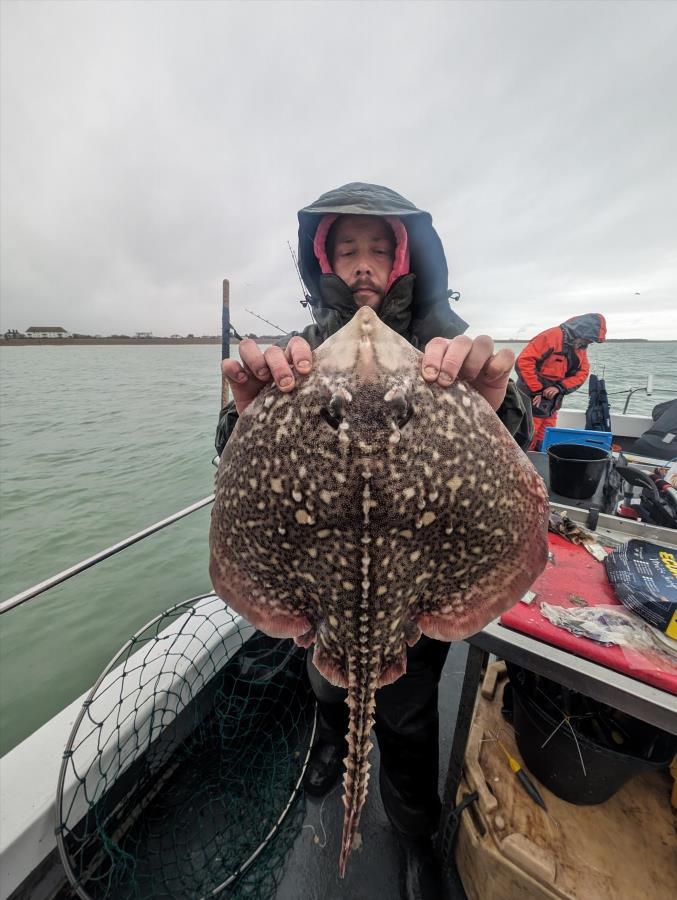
(149, 150)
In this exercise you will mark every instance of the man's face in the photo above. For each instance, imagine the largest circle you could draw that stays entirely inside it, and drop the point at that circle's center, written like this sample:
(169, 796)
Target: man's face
(362, 253)
(580, 344)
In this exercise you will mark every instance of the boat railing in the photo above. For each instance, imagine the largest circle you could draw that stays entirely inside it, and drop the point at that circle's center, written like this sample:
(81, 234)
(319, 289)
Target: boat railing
(648, 389)
(49, 583)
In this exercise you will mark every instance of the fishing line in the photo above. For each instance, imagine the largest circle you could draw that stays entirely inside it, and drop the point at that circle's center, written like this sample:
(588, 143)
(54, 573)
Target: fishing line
(566, 720)
(316, 839)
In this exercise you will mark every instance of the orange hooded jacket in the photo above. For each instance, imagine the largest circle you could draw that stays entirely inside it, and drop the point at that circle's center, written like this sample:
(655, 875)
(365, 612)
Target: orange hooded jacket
(550, 358)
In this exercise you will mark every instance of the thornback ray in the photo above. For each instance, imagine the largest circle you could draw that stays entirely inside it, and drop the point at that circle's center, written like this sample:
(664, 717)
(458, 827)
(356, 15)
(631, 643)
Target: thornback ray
(366, 508)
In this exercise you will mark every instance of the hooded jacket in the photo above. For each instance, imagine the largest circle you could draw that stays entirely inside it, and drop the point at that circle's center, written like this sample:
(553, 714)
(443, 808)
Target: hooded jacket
(416, 304)
(550, 359)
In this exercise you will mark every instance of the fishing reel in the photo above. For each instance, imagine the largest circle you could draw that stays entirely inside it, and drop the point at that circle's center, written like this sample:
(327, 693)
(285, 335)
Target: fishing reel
(656, 502)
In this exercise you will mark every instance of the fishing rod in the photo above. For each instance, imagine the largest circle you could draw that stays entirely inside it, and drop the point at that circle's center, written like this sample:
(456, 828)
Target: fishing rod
(306, 295)
(252, 313)
(304, 290)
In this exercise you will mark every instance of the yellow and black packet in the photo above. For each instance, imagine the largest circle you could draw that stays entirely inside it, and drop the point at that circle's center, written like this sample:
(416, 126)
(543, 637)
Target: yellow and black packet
(644, 577)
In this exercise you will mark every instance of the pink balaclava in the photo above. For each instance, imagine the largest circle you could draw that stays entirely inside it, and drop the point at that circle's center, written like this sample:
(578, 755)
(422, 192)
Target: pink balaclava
(400, 263)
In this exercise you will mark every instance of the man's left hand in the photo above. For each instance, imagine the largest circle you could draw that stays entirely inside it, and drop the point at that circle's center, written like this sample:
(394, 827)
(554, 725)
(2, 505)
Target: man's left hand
(550, 392)
(472, 361)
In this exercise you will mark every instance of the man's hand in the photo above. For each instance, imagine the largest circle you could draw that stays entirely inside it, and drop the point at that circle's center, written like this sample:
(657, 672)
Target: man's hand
(445, 360)
(248, 379)
(550, 392)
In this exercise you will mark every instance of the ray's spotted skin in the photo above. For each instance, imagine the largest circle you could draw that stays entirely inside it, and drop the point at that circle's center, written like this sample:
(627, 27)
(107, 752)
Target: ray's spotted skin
(368, 507)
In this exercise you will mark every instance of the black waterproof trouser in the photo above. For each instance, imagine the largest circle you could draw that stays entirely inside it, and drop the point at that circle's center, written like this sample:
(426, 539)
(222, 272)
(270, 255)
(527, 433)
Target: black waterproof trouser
(407, 730)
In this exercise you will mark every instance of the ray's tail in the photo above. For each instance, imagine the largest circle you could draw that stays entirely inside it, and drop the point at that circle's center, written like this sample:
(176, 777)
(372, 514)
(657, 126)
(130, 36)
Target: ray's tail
(361, 702)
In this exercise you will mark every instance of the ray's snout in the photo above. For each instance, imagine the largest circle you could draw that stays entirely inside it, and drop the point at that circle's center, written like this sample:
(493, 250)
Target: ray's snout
(366, 318)
(365, 347)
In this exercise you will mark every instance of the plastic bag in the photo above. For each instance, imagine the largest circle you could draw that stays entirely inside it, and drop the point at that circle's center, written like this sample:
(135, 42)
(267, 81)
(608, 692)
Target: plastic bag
(613, 625)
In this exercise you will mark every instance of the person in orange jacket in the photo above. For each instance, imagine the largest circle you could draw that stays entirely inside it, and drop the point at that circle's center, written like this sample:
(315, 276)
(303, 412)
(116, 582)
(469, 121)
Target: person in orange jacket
(554, 364)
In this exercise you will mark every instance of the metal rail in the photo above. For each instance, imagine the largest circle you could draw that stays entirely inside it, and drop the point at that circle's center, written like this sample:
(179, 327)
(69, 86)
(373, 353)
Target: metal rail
(60, 577)
(648, 389)
(634, 391)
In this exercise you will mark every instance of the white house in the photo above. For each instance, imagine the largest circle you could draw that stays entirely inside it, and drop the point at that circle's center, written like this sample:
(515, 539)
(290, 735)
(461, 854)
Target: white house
(47, 331)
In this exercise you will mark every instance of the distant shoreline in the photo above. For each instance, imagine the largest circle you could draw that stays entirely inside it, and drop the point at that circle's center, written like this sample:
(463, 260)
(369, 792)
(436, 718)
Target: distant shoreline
(79, 342)
(266, 339)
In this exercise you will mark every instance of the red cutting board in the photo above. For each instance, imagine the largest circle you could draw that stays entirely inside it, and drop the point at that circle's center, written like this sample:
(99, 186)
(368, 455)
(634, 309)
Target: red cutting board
(575, 571)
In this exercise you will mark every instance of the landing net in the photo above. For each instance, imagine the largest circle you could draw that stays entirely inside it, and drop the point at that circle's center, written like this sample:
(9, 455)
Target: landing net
(181, 775)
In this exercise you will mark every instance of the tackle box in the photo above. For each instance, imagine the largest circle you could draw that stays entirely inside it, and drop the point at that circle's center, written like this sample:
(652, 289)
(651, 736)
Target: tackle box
(508, 848)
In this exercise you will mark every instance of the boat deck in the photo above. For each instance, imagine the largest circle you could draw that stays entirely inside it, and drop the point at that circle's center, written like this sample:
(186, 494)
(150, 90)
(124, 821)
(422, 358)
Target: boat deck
(373, 870)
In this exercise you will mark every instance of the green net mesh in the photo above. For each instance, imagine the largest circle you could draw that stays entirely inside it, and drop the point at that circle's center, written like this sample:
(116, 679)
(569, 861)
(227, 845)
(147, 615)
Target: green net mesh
(180, 778)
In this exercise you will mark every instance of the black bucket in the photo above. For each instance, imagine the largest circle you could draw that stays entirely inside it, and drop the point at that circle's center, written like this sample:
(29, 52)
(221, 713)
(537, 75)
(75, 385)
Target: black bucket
(575, 469)
(557, 758)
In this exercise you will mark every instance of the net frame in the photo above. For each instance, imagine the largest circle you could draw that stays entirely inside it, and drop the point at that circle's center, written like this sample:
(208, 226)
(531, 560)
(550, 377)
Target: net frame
(151, 632)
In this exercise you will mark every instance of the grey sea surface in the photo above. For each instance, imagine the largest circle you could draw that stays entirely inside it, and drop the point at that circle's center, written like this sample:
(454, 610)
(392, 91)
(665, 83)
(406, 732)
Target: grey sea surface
(98, 442)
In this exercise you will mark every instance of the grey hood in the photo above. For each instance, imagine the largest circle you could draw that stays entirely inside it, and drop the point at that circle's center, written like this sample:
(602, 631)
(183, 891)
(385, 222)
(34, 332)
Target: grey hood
(429, 310)
(588, 327)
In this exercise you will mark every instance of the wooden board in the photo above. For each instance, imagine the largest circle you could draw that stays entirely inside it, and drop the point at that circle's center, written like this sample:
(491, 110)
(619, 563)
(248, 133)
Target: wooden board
(623, 849)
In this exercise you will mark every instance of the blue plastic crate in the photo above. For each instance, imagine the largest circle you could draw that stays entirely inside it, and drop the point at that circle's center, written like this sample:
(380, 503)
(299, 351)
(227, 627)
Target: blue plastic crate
(601, 439)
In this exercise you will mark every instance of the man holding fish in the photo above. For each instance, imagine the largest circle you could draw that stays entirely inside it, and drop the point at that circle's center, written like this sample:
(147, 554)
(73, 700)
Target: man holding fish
(363, 245)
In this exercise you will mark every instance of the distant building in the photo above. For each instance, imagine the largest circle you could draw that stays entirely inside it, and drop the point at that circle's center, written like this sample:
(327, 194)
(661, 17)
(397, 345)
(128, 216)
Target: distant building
(47, 331)
(12, 334)
(176, 337)
(144, 334)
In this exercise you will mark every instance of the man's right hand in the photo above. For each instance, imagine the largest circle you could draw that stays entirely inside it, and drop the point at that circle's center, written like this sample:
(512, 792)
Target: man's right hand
(550, 392)
(247, 379)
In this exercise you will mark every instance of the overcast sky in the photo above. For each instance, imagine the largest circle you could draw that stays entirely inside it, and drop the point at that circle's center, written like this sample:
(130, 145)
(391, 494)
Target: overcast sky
(150, 149)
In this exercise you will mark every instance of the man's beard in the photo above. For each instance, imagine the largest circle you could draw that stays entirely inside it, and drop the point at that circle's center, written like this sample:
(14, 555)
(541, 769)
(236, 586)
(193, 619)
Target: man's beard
(367, 284)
